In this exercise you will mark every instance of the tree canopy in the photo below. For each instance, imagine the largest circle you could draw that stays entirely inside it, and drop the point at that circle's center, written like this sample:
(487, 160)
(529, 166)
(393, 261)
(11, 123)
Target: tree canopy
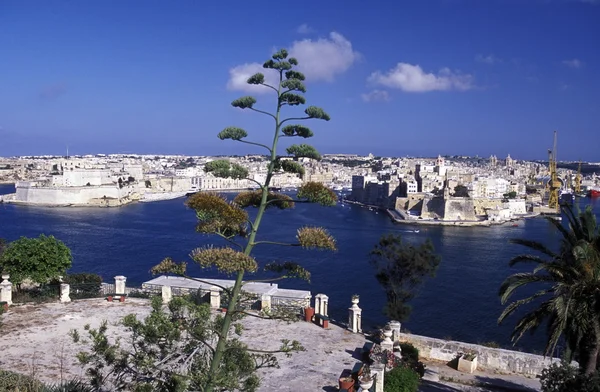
(39, 259)
(400, 269)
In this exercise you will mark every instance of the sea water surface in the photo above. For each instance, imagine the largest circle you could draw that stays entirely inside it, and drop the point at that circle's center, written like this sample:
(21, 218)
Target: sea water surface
(461, 302)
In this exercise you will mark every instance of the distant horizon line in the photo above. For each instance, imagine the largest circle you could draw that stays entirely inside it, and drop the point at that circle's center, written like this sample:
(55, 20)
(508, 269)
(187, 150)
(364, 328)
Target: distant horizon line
(447, 156)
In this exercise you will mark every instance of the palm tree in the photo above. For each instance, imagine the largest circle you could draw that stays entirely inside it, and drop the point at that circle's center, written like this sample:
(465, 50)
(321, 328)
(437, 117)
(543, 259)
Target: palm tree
(568, 284)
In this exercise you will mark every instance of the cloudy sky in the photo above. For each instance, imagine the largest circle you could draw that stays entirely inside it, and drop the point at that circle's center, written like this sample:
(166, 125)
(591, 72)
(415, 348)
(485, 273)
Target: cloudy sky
(410, 77)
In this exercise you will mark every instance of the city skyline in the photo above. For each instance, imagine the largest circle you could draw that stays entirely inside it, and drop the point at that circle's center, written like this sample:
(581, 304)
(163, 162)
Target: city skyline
(449, 77)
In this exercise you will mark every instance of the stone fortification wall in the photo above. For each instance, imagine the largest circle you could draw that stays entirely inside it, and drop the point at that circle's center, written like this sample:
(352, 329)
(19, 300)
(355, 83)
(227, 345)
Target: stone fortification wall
(517, 206)
(74, 195)
(506, 361)
(483, 204)
(459, 208)
(413, 201)
(172, 184)
(433, 207)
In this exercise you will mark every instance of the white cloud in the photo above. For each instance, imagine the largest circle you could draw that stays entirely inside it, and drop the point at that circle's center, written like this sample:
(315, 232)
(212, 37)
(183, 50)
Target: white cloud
(240, 74)
(305, 29)
(376, 95)
(324, 58)
(412, 78)
(489, 59)
(575, 63)
(320, 59)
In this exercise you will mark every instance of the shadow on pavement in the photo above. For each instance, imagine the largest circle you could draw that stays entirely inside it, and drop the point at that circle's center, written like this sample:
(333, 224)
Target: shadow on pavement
(432, 386)
(500, 384)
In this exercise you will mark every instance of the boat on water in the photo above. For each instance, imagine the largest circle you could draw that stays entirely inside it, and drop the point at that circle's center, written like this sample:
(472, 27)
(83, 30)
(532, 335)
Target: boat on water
(594, 192)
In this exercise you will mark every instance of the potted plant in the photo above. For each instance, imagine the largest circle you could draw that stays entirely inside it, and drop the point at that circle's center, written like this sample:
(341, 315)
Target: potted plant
(347, 383)
(309, 312)
(355, 299)
(366, 380)
(3, 306)
(467, 362)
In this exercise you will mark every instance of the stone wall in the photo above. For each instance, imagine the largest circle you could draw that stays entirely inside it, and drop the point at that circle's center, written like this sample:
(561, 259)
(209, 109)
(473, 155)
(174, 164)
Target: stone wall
(501, 360)
(410, 202)
(172, 184)
(73, 195)
(433, 207)
(459, 208)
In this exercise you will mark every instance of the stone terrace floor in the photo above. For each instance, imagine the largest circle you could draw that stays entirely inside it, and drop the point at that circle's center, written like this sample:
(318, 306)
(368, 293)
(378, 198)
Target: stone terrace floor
(34, 340)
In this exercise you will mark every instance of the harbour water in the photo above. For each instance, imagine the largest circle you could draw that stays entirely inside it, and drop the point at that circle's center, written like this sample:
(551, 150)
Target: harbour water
(460, 303)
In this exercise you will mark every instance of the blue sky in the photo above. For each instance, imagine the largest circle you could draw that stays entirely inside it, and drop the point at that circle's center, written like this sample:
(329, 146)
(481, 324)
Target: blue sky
(411, 77)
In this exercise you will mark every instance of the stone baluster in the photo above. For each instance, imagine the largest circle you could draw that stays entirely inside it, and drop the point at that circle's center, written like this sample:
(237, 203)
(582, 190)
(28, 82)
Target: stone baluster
(120, 284)
(265, 302)
(324, 305)
(215, 297)
(318, 303)
(378, 371)
(354, 316)
(6, 290)
(167, 294)
(387, 343)
(395, 326)
(65, 291)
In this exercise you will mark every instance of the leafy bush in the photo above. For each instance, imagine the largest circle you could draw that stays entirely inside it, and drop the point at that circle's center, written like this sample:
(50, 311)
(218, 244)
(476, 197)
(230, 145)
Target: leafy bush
(69, 386)
(11, 381)
(410, 358)
(566, 378)
(409, 352)
(401, 379)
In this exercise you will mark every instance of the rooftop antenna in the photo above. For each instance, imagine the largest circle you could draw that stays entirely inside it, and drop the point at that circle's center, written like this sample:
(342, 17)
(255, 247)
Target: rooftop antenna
(67, 151)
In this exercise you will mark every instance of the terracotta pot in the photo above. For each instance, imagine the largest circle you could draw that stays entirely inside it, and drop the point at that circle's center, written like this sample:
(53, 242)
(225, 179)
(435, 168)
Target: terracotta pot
(309, 313)
(347, 383)
(109, 298)
(122, 298)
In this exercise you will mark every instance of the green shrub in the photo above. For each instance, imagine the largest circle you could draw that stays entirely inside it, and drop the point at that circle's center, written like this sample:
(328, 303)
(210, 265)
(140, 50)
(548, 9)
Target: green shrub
(11, 381)
(401, 379)
(566, 378)
(82, 278)
(409, 352)
(69, 386)
(410, 358)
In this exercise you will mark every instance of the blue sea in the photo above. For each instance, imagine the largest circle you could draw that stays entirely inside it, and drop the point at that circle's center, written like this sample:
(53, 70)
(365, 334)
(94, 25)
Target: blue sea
(461, 302)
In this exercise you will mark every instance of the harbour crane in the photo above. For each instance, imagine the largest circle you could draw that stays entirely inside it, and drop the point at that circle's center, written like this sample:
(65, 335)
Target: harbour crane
(578, 181)
(554, 184)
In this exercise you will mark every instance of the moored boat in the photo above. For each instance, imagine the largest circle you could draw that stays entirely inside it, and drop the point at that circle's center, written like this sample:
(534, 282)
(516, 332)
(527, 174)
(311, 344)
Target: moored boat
(594, 192)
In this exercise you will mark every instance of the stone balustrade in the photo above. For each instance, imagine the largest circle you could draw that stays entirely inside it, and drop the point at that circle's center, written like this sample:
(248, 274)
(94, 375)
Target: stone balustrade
(6, 290)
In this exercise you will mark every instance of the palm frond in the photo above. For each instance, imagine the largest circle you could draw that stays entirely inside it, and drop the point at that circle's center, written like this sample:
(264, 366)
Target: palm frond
(534, 245)
(513, 282)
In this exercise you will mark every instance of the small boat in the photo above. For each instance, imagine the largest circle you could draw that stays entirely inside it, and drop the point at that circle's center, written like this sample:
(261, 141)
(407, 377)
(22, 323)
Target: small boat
(594, 192)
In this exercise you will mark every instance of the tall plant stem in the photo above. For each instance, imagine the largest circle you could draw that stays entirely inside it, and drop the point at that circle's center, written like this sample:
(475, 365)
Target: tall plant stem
(237, 287)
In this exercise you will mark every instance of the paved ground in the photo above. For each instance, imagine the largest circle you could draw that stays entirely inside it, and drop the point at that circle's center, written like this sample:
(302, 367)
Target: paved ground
(34, 340)
(451, 380)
